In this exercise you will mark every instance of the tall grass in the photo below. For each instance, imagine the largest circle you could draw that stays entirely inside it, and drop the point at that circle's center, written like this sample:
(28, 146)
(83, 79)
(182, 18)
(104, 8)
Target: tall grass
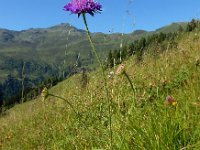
(151, 125)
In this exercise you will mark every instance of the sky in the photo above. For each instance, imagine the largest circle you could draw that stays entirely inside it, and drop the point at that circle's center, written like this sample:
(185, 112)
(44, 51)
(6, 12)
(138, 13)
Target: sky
(122, 16)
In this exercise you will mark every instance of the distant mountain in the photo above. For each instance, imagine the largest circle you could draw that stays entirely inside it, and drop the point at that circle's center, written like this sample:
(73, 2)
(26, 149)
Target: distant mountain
(139, 32)
(52, 44)
(172, 27)
(61, 45)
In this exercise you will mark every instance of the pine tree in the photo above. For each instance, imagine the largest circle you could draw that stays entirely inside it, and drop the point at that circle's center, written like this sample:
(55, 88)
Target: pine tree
(191, 25)
(124, 52)
(110, 60)
(116, 56)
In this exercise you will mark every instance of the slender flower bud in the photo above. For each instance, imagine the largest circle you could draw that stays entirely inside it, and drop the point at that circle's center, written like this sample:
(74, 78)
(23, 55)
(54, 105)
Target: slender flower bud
(44, 93)
(120, 70)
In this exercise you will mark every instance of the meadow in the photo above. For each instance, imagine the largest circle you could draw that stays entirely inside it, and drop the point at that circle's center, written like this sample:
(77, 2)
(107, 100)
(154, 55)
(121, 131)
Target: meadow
(141, 117)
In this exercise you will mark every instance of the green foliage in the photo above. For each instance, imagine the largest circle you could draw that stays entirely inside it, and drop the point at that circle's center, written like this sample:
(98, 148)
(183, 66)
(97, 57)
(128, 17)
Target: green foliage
(110, 60)
(12, 88)
(174, 27)
(192, 25)
(154, 43)
(124, 53)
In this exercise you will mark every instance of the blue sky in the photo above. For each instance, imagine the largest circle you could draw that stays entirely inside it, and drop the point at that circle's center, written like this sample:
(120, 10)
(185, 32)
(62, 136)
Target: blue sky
(117, 16)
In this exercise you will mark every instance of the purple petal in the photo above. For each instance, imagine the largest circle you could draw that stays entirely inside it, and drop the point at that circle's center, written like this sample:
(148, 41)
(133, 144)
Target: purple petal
(83, 6)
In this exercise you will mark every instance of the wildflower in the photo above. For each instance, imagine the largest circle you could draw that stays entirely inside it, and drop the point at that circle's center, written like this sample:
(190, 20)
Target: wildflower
(120, 70)
(44, 93)
(83, 6)
(170, 101)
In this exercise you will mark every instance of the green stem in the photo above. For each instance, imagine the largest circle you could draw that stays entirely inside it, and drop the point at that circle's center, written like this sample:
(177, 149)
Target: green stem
(92, 44)
(132, 86)
(77, 113)
(129, 80)
(104, 76)
(65, 101)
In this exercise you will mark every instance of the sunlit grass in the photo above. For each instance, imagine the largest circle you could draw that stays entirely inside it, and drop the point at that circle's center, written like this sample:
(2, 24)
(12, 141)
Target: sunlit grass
(151, 124)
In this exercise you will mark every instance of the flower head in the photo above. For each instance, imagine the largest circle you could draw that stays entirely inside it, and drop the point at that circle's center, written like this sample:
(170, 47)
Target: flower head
(83, 6)
(170, 101)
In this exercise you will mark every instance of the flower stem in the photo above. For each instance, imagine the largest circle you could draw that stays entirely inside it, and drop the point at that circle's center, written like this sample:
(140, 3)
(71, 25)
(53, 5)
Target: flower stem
(132, 86)
(129, 80)
(65, 101)
(104, 76)
(92, 44)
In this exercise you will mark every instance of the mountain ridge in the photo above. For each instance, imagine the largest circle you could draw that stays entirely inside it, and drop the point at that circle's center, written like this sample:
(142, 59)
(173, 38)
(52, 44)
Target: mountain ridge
(60, 44)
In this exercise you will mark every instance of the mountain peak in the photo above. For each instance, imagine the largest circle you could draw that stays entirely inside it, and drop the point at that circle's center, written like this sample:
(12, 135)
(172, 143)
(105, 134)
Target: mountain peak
(171, 27)
(137, 32)
(61, 25)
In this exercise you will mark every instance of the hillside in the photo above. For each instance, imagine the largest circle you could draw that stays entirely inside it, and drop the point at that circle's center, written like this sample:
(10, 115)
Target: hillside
(61, 44)
(172, 27)
(52, 46)
(58, 46)
(33, 58)
(44, 56)
(141, 118)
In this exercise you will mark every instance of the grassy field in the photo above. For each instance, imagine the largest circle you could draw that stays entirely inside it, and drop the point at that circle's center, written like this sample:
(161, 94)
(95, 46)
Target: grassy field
(141, 119)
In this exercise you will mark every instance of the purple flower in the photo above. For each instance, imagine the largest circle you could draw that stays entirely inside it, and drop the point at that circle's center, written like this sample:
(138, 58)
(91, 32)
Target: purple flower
(83, 6)
(170, 101)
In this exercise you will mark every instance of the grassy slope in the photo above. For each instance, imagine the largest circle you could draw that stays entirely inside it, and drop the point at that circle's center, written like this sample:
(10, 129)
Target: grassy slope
(151, 125)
